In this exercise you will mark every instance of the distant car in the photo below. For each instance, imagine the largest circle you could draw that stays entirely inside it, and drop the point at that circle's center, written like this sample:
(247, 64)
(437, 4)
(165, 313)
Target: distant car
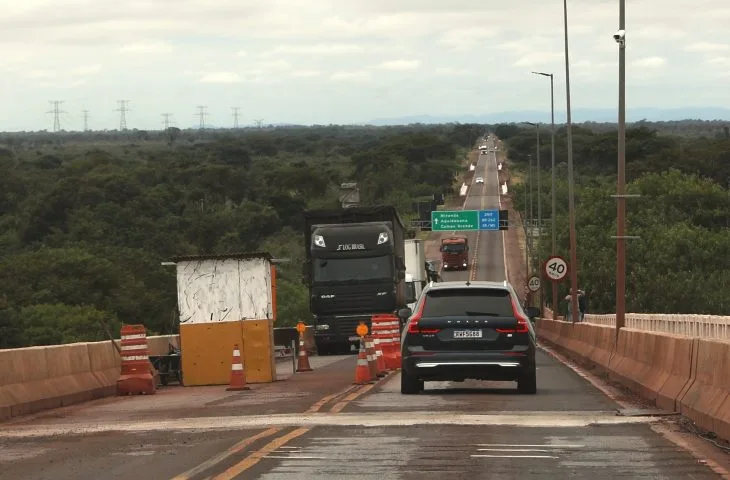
(483, 147)
(475, 330)
(479, 180)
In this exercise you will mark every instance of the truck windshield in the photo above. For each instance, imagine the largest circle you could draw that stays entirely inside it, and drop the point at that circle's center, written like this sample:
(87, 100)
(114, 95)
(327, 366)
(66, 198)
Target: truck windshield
(454, 248)
(346, 269)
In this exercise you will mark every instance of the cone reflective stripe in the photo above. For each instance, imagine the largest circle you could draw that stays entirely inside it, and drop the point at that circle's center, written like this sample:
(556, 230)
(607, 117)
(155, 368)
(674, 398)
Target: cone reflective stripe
(362, 370)
(238, 375)
(303, 357)
(379, 354)
(372, 357)
(136, 372)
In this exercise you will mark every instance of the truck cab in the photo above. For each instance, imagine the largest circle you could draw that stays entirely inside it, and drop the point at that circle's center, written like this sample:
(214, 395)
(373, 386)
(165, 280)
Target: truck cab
(455, 253)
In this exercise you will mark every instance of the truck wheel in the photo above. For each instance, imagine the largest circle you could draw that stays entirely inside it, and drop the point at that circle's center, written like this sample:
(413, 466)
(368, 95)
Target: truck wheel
(409, 385)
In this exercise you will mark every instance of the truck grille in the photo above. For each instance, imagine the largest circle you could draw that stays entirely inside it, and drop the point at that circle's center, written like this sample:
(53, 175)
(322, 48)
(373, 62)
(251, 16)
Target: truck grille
(354, 302)
(348, 326)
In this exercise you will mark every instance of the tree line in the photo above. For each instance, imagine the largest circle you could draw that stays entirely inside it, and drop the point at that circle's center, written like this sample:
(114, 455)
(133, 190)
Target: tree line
(85, 225)
(680, 260)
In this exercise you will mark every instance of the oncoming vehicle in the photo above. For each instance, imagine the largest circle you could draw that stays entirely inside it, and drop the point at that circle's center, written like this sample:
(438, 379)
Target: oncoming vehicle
(479, 180)
(455, 253)
(475, 330)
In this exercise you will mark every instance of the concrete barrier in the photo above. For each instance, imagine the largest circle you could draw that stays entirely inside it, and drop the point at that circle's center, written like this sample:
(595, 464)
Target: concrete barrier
(40, 378)
(678, 373)
(707, 399)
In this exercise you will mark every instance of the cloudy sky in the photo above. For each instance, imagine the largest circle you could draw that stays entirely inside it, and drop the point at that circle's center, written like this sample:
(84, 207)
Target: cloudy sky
(344, 61)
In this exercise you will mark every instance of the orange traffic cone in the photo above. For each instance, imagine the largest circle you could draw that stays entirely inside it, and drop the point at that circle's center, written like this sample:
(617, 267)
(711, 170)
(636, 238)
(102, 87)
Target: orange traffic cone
(238, 376)
(362, 371)
(372, 360)
(303, 358)
(382, 368)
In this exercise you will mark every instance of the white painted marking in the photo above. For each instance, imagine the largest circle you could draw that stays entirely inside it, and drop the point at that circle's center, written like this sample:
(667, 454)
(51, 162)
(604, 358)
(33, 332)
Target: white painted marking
(526, 446)
(513, 456)
(237, 367)
(141, 346)
(379, 419)
(296, 457)
(135, 336)
(512, 450)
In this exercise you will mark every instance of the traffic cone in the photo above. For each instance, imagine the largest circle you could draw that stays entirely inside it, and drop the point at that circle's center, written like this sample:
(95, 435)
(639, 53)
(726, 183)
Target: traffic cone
(303, 358)
(372, 360)
(238, 375)
(379, 356)
(362, 371)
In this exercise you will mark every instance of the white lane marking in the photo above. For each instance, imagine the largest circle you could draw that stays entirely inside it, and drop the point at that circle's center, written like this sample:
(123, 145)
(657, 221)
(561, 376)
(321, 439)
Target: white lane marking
(380, 419)
(512, 450)
(512, 456)
(296, 457)
(526, 446)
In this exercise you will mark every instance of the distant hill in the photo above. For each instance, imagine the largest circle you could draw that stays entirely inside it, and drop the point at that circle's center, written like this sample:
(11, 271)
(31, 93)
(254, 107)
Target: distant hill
(578, 116)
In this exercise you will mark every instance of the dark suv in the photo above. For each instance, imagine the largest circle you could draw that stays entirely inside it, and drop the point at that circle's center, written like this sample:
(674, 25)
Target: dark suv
(463, 330)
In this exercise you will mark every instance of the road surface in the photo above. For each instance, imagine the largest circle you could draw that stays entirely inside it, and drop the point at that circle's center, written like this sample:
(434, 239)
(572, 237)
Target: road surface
(319, 426)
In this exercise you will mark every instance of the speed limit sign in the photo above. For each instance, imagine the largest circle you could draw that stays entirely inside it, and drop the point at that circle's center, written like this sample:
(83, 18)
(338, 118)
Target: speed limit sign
(556, 268)
(534, 283)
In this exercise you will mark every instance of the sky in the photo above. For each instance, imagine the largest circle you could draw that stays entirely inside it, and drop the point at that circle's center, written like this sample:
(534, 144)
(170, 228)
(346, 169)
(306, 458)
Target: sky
(347, 61)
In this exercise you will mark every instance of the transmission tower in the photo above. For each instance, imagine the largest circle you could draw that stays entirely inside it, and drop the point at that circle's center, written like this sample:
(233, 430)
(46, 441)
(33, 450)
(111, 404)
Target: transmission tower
(86, 120)
(259, 122)
(166, 120)
(202, 112)
(123, 109)
(235, 116)
(56, 111)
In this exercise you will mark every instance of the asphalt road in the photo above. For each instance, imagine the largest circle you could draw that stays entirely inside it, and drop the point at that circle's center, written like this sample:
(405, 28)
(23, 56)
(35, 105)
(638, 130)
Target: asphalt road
(319, 426)
(486, 248)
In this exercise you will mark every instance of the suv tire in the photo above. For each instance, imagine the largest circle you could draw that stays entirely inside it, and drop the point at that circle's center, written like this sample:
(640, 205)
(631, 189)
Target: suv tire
(527, 382)
(409, 385)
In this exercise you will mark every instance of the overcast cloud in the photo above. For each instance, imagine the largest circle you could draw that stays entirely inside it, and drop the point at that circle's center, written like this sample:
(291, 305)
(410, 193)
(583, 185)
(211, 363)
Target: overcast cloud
(326, 61)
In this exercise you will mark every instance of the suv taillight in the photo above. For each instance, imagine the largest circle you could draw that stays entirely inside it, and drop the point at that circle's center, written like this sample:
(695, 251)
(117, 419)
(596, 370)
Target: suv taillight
(413, 322)
(521, 320)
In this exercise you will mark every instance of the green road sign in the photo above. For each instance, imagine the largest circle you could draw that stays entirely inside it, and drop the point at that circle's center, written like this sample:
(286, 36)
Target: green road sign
(454, 220)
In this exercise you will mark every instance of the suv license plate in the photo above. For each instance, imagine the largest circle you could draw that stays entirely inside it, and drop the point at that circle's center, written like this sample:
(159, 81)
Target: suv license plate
(467, 334)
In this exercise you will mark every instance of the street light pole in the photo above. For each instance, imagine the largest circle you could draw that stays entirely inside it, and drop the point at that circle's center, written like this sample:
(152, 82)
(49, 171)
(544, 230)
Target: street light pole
(571, 197)
(621, 177)
(554, 249)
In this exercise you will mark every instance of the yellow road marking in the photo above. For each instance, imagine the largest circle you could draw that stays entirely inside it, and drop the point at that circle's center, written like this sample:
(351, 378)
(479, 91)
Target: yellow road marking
(256, 456)
(240, 446)
(342, 404)
(317, 406)
(352, 391)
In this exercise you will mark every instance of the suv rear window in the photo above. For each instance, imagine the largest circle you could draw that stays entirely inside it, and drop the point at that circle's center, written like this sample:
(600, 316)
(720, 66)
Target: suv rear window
(468, 301)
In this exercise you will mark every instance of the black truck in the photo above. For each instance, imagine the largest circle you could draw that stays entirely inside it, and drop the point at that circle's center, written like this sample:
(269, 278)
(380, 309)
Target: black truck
(355, 268)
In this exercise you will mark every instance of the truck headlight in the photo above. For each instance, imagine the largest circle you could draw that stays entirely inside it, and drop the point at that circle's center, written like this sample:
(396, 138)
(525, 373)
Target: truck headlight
(322, 327)
(319, 241)
(382, 238)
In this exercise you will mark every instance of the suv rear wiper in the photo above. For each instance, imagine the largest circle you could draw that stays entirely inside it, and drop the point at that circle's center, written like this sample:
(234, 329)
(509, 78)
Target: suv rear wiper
(484, 314)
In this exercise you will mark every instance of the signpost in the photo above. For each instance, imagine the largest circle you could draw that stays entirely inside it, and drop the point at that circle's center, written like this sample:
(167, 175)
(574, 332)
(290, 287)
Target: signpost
(464, 220)
(556, 268)
(534, 283)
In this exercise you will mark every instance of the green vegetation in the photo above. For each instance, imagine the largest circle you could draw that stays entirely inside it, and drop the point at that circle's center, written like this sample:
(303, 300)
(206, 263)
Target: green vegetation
(681, 262)
(86, 219)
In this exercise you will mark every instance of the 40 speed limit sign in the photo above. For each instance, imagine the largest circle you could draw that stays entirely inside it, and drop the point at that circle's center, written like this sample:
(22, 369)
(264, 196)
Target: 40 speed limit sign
(533, 283)
(556, 268)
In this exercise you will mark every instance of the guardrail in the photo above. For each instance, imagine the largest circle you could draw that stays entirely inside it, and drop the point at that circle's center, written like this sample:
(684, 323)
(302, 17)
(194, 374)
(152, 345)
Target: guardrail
(690, 325)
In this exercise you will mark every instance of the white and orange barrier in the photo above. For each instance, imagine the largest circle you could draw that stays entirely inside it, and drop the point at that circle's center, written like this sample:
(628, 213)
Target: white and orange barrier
(136, 372)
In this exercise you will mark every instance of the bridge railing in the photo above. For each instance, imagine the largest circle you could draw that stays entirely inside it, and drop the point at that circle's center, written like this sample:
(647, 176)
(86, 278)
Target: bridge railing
(690, 325)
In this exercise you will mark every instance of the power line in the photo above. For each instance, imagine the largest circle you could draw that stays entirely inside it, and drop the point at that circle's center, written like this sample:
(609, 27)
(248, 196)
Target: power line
(86, 120)
(235, 116)
(56, 111)
(167, 119)
(202, 112)
(123, 109)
